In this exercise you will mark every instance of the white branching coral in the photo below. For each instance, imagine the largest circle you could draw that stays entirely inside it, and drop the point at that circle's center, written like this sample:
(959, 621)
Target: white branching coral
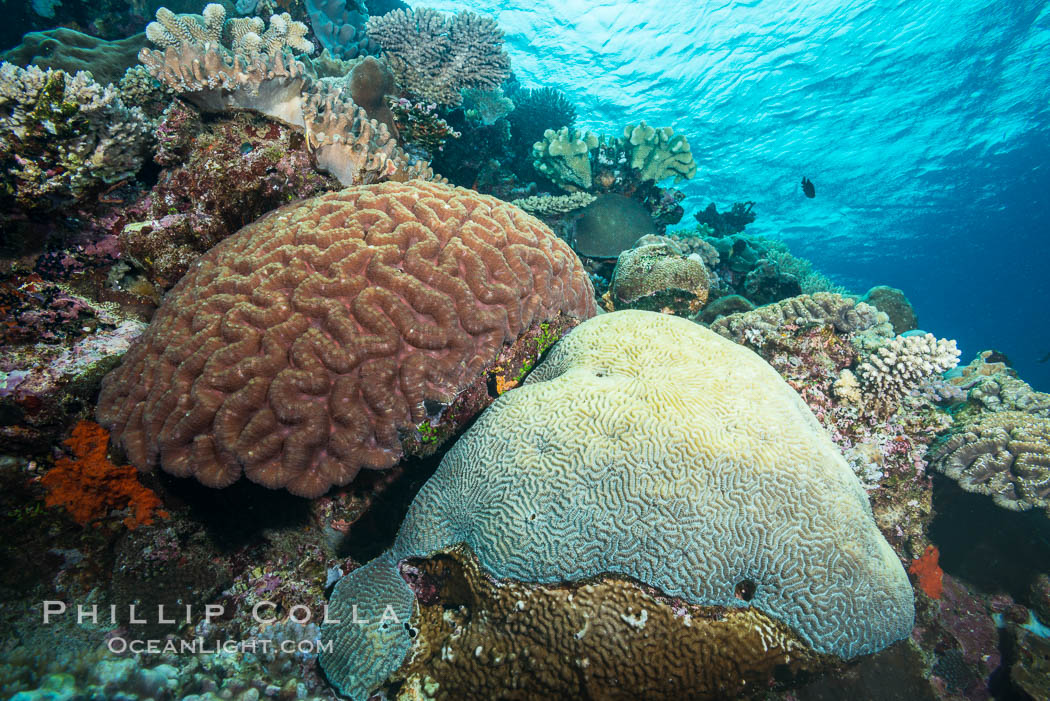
(435, 56)
(904, 364)
(64, 136)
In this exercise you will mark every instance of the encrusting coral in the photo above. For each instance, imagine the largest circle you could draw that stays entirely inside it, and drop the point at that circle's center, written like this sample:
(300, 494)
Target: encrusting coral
(323, 337)
(646, 446)
(89, 486)
(1004, 454)
(63, 137)
(436, 56)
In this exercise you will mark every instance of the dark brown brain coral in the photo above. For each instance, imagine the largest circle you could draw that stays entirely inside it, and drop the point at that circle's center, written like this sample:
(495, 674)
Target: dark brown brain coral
(316, 340)
(603, 638)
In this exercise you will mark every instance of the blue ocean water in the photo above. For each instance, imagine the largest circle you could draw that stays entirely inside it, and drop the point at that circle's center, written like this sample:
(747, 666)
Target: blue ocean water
(925, 126)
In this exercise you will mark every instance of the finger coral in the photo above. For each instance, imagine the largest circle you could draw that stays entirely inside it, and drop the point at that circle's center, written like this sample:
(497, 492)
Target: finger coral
(435, 56)
(319, 339)
(1003, 454)
(649, 447)
(89, 486)
(63, 137)
(904, 364)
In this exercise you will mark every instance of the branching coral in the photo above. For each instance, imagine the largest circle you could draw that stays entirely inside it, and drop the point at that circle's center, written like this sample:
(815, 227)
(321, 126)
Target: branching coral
(62, 136)
(435, 56)
(319, 339)
(902, 365)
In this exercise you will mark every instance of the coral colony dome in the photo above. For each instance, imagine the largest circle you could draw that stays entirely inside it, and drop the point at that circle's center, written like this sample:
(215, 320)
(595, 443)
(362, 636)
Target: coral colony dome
(356, 349)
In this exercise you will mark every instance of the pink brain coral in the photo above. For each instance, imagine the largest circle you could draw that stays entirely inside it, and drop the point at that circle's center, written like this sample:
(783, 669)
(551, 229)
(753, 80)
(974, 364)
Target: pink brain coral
(305, 346)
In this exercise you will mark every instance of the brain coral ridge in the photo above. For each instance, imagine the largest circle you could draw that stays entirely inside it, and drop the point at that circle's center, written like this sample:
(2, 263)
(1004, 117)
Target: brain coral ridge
(312, 342)
(649, 447)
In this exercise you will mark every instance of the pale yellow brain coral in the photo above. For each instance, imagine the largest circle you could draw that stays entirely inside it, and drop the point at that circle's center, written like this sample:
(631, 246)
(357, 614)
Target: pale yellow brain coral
(647, 446)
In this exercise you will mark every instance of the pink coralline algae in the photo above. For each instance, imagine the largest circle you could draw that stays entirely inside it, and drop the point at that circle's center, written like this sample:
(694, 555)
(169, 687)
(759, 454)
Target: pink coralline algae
(221, 177)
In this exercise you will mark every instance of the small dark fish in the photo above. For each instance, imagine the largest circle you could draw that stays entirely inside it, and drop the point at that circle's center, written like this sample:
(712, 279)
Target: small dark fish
(807, 187)
(1045, 358)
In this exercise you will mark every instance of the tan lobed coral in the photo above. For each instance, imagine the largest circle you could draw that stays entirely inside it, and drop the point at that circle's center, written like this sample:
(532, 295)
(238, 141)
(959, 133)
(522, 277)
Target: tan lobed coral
(219, 65)
(253, 69)
(647, 446)
(658, 153)
(479, 638)
(1004, 454)
(316, 340)
(436, 56)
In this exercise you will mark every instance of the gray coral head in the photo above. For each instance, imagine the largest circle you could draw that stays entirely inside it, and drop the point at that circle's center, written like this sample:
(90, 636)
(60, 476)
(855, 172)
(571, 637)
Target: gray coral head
(649, 447)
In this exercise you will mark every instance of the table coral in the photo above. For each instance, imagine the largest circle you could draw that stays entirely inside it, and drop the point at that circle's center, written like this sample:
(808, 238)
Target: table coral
(645, 445)
(435, 56)
(89, 486)
(321, 338)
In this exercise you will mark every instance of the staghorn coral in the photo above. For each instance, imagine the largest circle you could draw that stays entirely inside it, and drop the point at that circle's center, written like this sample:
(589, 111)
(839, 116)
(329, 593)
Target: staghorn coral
(63, 137)
(554, 205)
(844, 314)
(658, 153)
(564, 157)
(1003, 454)
(436, 56)
(329, 331)
(904, 364)
(479, 638)
(646, 446)
(89, 486)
